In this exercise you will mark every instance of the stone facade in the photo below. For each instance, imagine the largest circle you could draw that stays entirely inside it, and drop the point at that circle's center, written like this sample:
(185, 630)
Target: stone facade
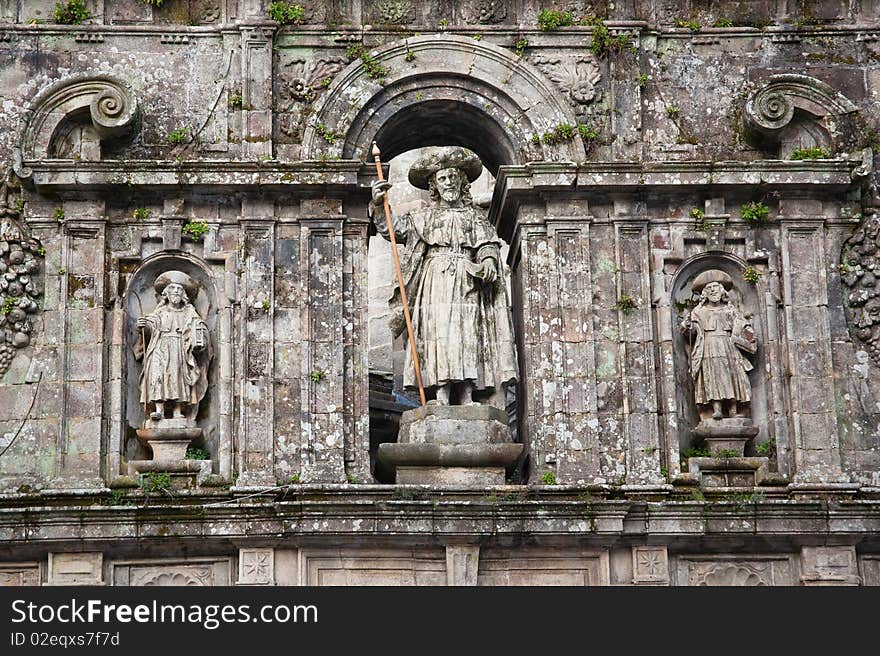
(625, 158)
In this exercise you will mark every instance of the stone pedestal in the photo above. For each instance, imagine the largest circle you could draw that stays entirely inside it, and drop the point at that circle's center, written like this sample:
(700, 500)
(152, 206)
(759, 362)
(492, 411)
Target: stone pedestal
(451, 445)
(171, 441)
(728, 434)
(169, 444)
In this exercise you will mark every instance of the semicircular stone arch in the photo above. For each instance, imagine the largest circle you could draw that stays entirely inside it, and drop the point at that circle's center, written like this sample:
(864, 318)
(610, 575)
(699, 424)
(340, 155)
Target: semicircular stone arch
(442, 90)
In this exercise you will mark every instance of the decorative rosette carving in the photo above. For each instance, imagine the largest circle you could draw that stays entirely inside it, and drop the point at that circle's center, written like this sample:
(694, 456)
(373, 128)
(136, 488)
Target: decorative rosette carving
(20, 256)
(576, 76)
(485, 11)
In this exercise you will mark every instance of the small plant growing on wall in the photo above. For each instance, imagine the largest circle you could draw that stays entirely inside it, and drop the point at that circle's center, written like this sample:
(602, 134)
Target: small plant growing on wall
(196, 229)
(177, 136)
(550, 19)
(519, 47)
(603, 42)
(373, 68)
(141, 213)
(549, 478)
(287, 13)
(196, 453)
(754, 212)
(810, 153)
(318, 375)
(723, 22)
(153, 3)
(59, 214)
(72, 12)
(750, 274)
(235, 100)
(626, 303)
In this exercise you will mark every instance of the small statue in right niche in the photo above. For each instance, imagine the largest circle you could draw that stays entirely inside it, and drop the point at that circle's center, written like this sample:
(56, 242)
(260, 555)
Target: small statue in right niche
(720, 335)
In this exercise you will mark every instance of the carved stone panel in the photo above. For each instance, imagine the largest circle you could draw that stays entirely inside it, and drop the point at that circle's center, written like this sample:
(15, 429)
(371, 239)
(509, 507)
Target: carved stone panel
(870, 568)
(461, 564)
(172, 573)
(733, 571)
(356, 567)
(17, 574)
(829, 566)
(860, 274)
(576, 75)
(542, 567)
(256, 567)
(76, 568)
(484, 11)
(650, 566)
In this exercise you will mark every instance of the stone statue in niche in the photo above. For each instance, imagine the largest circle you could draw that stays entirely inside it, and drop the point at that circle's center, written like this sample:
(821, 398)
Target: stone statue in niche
(454, 277)
(175, 347)
(721, 337)
(463, 331)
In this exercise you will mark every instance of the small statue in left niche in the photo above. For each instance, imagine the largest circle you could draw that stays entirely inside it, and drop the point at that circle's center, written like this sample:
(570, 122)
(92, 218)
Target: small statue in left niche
(175, 346)
(720, 336)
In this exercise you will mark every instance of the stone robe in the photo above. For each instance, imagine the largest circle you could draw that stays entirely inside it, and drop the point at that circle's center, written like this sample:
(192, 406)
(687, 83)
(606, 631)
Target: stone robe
(718, 365)
(462, 326)
(176, 356)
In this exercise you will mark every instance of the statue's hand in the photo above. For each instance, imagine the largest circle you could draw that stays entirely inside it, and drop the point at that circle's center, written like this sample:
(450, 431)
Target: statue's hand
(488, 271)
(142, 322)
(379, 187)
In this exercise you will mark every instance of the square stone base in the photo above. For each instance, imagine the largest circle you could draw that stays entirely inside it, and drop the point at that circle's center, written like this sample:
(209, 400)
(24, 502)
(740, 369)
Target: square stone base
(466, 476)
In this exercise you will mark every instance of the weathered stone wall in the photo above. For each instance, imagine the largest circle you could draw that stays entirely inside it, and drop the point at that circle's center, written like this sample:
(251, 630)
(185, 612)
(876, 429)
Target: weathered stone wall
(600, 141)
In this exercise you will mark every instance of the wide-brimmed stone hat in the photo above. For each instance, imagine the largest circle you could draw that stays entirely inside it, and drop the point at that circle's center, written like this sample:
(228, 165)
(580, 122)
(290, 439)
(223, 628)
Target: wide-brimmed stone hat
(189, 285)
(445, 157)
(712, 275)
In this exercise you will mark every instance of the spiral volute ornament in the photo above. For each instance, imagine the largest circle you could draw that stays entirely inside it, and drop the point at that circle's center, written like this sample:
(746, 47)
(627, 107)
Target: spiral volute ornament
(113, 110)
(770, 110)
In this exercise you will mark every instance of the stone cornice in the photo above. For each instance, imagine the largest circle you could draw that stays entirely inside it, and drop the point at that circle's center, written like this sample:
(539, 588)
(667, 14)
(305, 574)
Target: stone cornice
(516, 183)
(60, 175)
(435, 517)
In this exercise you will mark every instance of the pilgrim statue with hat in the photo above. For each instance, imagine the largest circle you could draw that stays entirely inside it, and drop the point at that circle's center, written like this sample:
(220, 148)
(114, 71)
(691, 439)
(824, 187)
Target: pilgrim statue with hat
(721, 337)
(176, 350)
(455, 286)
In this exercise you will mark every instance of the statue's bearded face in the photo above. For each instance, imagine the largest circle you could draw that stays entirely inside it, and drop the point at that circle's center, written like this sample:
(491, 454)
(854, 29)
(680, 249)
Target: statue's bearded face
(714, 292)
(448, 182)
(175, 294)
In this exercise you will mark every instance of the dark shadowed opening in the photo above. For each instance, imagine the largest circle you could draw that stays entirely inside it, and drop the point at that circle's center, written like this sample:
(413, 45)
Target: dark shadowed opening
(442, 123)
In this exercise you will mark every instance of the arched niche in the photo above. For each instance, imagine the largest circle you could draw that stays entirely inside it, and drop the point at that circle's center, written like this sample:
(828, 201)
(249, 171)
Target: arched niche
(140, 299)
(442, 90)
(790, 111)
(747, 295)
(95, 110)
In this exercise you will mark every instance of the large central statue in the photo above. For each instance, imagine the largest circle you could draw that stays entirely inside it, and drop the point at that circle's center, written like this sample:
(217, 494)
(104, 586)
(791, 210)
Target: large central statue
(455, 285)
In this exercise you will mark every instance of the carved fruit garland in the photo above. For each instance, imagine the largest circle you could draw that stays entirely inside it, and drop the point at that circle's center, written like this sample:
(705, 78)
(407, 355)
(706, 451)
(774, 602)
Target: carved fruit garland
(20, 256)
(860, 275)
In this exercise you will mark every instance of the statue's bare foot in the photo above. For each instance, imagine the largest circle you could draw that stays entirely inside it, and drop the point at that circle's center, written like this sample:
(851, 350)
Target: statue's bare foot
(155, 415)
(467, 395)
(443, 395)
(716, 407)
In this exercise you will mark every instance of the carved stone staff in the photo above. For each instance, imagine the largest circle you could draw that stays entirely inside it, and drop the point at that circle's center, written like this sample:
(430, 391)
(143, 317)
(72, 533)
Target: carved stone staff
(409, 329)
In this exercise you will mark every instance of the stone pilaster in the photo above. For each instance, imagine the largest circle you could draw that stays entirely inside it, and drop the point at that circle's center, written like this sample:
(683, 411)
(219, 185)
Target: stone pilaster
(257, 378)
(81, 306)
(553, 278)
(636, 345)
(355, 390)
(323, 417)
(811, 383)
(256, 90)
